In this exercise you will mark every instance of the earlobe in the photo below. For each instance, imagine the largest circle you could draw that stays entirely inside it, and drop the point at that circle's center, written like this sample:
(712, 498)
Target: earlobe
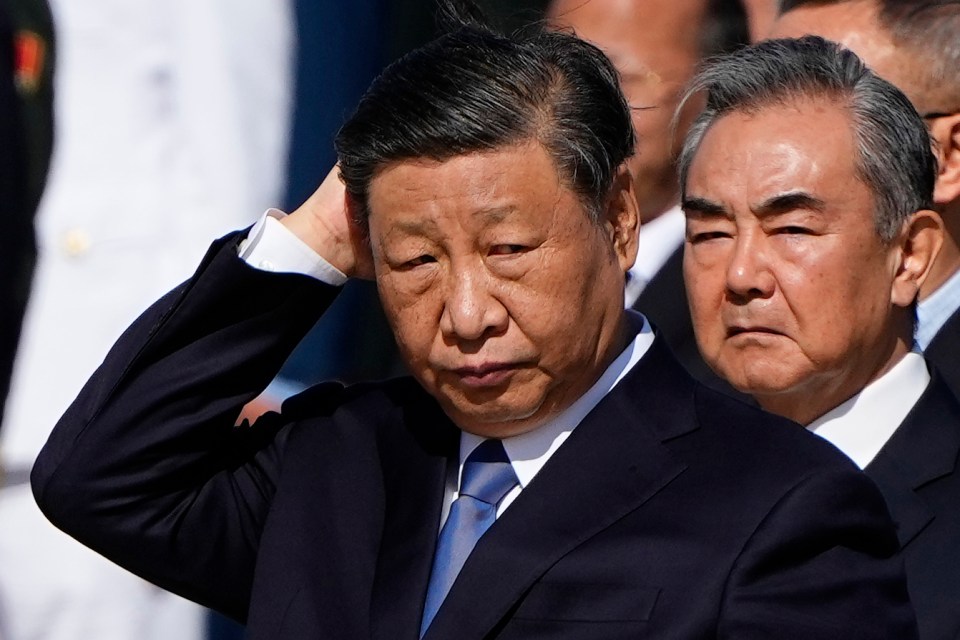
(919, 245)
(946, 131)
(623, 218)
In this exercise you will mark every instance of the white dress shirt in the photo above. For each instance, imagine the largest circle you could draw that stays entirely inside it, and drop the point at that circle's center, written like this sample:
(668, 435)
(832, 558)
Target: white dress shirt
(862, 425)
(272, 247)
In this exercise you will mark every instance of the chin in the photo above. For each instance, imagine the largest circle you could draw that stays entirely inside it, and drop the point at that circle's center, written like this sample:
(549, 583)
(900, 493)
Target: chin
(494, 420)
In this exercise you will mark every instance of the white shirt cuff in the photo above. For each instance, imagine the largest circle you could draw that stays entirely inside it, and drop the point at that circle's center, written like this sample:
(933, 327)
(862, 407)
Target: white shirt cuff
(270, 246)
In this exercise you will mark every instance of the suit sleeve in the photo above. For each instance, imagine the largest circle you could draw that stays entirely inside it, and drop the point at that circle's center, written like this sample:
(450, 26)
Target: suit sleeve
(823, 564)
(147, 466)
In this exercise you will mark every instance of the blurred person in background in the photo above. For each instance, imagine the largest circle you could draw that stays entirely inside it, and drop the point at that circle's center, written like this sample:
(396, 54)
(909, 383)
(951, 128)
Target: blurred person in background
(26, 137)
(171, 117)
(657, 46)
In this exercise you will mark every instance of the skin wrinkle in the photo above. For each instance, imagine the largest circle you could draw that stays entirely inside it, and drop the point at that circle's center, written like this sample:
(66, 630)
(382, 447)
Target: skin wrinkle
(824, 301)
(510, 271)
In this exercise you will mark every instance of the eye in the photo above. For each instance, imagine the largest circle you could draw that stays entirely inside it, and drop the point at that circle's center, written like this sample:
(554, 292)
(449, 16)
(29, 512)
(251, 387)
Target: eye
(418, 261)
(705, 236)
(793, 230)
(506, 249)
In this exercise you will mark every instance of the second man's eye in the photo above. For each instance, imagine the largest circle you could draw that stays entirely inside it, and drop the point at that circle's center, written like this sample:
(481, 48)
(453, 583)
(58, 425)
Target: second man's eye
(506, 249)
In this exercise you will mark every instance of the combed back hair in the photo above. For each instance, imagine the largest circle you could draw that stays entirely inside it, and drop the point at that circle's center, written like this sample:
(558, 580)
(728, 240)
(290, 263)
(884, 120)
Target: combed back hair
(475, 90)
(894, 157)
(925, 32)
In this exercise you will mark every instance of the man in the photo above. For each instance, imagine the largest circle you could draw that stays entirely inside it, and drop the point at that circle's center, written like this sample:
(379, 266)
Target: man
(656, 46)
(581, 483)
(808, 184)
(911, 43)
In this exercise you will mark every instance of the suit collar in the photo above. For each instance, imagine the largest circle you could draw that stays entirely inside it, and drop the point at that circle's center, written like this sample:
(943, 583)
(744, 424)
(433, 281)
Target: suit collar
(923, 449)
(609, 466)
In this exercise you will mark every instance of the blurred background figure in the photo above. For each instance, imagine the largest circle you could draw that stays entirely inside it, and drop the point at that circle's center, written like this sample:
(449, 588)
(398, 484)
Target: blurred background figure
(26, 136)
(657, 45)
(172, 120)
(915, 45)
(760, 15)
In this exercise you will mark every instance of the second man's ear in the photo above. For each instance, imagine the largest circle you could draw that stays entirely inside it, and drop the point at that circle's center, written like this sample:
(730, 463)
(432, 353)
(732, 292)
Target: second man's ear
(920, 244)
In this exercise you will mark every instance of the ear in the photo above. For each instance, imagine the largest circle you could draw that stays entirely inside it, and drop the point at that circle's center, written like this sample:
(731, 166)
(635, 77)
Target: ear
(946, 131)
(919, 244)
(622, 218)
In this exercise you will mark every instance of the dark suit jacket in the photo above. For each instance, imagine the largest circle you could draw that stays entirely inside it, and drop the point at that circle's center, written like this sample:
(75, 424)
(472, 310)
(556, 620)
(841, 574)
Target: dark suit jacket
(944, 352)
(918, 472)
(671, 512)
(664, 302)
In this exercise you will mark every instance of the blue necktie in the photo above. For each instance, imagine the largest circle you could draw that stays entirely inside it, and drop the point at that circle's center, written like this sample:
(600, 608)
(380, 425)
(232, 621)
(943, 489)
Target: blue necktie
(487, 478)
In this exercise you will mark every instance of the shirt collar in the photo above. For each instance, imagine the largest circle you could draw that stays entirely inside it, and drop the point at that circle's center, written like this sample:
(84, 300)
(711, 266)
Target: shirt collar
(862, 425)
(528, 452)
(934, 311)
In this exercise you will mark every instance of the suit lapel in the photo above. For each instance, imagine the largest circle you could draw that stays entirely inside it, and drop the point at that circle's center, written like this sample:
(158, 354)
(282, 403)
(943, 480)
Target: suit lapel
(612, 463)
(415, 470)
(922, 449)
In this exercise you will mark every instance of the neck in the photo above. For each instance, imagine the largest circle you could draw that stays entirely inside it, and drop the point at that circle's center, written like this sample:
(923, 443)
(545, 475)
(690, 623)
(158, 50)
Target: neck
(806, 404)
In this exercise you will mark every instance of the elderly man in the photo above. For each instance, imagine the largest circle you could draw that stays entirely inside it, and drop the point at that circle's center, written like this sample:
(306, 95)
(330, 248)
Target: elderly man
(913, 44)
(808, 185)
(657, 46)
(549, 471)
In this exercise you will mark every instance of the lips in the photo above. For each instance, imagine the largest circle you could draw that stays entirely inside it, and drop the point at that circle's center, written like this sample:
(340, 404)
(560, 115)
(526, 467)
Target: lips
(751, 330)
(486, 375)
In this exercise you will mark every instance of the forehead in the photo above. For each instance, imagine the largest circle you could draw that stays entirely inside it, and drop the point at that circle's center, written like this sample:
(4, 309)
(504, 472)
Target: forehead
(486, 187)
(658, 35)
(807, 145)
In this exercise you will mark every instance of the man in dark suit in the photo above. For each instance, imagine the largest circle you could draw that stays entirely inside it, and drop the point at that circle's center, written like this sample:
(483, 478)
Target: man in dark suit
(911, 43)
(26, 135)
(581, 483)
(810, 233)
(657, 46)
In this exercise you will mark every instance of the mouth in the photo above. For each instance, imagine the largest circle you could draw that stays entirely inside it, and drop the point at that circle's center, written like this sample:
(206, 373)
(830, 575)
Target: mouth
(487, 375)
(735, 331)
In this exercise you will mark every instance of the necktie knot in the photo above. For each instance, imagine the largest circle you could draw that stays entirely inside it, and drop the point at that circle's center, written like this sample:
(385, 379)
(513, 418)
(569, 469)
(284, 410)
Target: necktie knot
(487, 473)
(487, 477)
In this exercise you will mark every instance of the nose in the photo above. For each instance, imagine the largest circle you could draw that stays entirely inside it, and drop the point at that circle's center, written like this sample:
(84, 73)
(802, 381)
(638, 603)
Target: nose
(472, 310)
(748, 272)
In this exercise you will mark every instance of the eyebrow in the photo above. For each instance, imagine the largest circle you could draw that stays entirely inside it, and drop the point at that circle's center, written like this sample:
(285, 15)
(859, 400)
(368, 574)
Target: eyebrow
(790, 201)
(773, 206)
(704, 208)
(419, 226)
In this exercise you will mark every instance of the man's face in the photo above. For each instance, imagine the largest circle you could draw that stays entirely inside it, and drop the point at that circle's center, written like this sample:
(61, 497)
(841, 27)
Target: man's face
(655, 45)
(855, 25)
(790, 287)
(506, 299)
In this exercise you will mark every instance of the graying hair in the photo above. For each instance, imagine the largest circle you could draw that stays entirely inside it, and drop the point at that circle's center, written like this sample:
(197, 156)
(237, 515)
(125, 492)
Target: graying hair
(894, 154)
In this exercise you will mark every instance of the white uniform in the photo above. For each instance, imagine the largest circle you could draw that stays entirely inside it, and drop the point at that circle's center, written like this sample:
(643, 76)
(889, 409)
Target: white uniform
(172, 125)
